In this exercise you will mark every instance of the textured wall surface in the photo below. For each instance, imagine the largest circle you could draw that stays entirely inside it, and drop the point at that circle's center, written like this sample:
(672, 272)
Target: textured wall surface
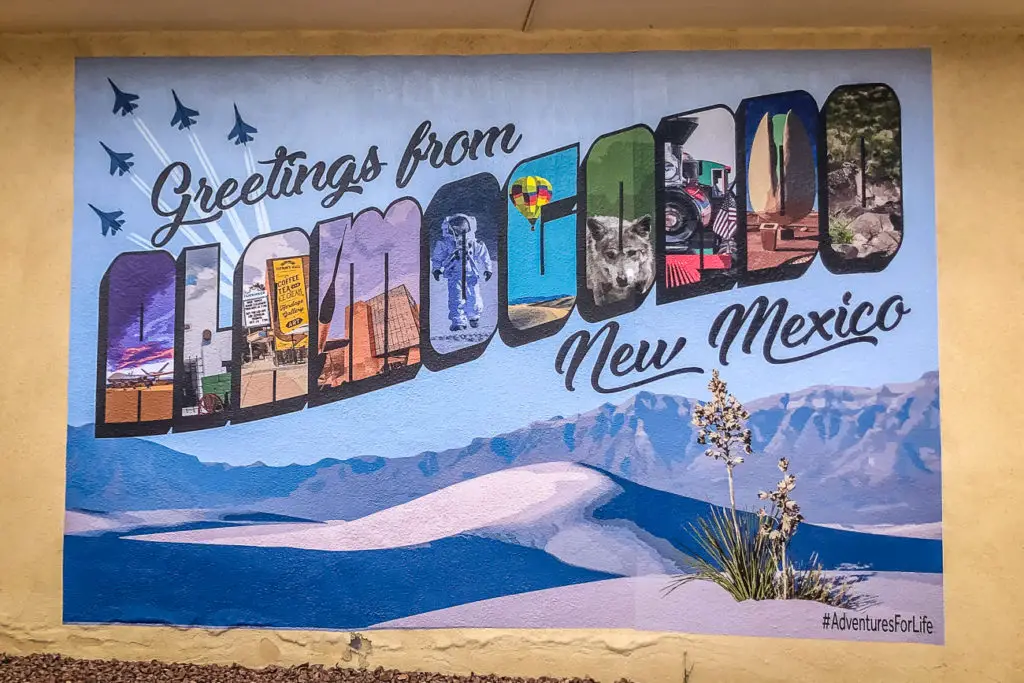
(979, 168)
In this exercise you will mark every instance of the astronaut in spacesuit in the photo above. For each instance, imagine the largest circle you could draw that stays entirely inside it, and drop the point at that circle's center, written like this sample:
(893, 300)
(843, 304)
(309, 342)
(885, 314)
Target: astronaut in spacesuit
(463, 259)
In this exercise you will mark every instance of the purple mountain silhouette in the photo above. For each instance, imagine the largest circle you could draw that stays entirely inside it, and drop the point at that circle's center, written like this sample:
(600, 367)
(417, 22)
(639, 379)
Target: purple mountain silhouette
(862, 456)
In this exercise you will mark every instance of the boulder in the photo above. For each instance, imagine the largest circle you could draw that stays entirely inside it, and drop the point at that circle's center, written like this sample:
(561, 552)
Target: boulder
(871, 224)
(886, 242)
(873, 233)
(846, 250)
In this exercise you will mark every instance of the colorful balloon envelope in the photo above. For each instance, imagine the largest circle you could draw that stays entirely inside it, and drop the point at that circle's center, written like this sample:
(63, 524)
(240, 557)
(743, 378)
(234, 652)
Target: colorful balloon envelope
(529, 195)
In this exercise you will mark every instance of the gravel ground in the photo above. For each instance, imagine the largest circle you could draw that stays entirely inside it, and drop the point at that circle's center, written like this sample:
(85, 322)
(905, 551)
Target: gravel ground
(59, 669)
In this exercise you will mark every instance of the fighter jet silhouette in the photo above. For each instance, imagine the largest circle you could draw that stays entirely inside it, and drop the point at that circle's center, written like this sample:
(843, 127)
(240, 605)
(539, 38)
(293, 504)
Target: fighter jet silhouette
(124, 102)
(109, 221)
(183, 116)
(119, 161)
(242, 132)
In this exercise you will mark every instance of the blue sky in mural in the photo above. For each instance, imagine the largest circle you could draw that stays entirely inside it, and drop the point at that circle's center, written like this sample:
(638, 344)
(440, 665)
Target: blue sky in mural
(553, 101)
(801, 104)
(526, 283)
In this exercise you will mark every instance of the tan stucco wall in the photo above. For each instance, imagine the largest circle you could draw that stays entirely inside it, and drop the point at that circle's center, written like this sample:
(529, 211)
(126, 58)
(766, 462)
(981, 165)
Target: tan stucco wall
(979, 101)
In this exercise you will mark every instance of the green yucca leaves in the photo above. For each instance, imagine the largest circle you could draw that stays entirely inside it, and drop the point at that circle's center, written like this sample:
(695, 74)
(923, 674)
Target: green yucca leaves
(743, 564)
(731, 555)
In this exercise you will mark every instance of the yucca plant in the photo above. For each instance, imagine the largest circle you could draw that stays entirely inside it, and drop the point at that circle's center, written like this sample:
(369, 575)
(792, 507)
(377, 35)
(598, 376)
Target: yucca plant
(722, 427)
(814, 584)
(747, 554)
(779, 525)
(732, 554)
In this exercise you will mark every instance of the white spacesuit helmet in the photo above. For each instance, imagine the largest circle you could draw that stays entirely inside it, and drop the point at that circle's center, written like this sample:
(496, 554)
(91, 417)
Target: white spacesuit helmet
(458, 224)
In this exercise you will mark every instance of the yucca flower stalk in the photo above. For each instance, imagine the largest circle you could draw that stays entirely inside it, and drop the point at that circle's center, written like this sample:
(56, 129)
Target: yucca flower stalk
(779, 525)
(722, 427)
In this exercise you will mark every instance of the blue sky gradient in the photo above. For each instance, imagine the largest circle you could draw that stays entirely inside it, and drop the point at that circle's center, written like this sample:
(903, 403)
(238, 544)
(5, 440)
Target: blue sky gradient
(331, 106)
(526, 283)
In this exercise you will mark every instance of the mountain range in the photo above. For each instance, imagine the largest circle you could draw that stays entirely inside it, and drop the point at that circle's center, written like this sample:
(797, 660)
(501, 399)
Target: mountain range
(861, 456)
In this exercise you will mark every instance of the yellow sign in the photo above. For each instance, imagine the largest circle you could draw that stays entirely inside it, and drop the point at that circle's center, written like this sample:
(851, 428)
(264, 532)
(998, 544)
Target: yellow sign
(292, 328)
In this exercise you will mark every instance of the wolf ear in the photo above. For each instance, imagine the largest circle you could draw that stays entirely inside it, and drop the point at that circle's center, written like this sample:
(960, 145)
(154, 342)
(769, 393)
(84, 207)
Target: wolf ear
(596, 228)
(642, 226)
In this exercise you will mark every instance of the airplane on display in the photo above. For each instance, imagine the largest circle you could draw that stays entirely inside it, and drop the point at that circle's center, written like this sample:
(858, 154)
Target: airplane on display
(128, 379)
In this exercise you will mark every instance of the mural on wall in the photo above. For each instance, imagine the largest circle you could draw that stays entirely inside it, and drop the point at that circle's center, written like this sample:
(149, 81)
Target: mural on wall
(618, 224)
(864, 188)
(368, 299)
(541, 246)
(274, 348)
(203, 390)
(699, 245)
(781, 143)
(461, 227)
(435, 355)
(136, 344)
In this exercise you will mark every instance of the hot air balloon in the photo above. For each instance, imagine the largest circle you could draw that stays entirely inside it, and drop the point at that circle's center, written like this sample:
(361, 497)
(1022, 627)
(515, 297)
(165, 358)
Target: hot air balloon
(529, 195)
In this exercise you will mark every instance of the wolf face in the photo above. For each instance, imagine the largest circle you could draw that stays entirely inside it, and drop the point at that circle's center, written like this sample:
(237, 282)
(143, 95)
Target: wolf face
(619, 266)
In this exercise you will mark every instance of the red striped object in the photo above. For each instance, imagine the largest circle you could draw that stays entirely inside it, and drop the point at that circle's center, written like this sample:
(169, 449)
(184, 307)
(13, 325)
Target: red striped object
(685, 269)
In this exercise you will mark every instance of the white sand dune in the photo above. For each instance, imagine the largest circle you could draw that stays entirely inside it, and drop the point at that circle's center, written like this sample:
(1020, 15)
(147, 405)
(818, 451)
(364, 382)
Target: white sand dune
(699, 607)
(930, 530)
(78, 523)
(511, 497)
